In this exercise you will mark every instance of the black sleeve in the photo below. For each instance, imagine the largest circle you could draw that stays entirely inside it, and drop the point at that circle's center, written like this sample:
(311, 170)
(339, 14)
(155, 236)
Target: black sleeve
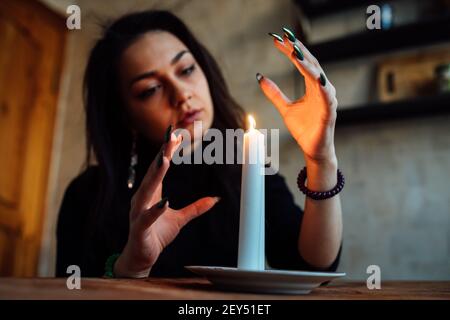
(283, 221)
(73, 247)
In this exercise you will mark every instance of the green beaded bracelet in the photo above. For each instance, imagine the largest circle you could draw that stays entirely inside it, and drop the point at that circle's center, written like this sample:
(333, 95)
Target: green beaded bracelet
(109, 265)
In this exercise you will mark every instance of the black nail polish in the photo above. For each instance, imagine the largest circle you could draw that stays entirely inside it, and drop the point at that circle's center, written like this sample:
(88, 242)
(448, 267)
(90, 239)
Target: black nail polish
(168, 133)
(259, 76)
(289, 34)
(162, 202)
(280, 39)
(322, 80)
(298, 53)
(160, 158)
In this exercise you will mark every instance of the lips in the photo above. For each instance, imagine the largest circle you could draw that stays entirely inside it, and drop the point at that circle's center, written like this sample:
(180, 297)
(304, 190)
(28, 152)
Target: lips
(190, 117)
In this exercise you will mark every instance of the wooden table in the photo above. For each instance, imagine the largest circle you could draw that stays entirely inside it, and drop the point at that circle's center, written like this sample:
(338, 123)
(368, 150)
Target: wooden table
(197, 288)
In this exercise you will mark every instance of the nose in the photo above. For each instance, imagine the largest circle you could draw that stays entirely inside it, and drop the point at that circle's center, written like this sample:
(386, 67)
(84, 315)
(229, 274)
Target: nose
(180, 95)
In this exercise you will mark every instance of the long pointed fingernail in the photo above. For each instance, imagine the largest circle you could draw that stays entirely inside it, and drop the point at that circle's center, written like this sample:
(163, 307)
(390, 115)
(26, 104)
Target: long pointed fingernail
(160, 158)
(162, 202)
(298, 53)
(280, 39)
(167, 134)
(322, 80)
(289, 34)
(218, 199)
(259, 77)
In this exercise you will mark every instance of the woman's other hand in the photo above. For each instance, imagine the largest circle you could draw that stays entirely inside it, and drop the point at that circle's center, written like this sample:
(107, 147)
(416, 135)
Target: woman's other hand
(153, 224)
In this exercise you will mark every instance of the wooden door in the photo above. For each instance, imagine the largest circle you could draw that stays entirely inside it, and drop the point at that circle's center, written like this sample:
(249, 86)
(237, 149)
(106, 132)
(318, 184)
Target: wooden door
(31, 49)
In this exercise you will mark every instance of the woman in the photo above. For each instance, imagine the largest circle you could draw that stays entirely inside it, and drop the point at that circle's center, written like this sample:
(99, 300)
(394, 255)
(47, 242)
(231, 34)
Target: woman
(147, 76)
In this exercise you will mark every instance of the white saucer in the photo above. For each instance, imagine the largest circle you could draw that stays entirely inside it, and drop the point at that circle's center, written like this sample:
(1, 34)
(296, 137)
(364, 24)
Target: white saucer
(266, 281)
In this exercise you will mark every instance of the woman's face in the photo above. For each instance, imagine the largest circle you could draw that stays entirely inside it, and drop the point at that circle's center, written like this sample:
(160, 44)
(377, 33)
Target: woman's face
(161, 84)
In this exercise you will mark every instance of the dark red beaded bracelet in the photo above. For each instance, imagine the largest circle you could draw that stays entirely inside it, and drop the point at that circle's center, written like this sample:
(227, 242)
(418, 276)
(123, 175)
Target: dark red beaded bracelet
(317, 195)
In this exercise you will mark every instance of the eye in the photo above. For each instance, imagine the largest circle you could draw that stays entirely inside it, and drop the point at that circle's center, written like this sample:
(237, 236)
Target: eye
(148, 92)
(189, 70)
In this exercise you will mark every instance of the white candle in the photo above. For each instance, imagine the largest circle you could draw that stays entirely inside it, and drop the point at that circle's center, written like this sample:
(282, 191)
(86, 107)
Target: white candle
(251, 253)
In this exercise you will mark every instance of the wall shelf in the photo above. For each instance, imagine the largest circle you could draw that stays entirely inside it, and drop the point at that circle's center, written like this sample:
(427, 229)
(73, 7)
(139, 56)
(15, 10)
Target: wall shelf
(314, 9)
(420, 33)
(408, 108)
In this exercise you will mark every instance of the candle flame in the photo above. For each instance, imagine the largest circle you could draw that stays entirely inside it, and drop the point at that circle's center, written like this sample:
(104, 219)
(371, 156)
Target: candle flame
(252, 122)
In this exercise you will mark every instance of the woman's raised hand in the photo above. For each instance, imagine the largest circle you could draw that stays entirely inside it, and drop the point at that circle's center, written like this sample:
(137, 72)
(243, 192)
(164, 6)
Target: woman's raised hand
(153, 224)
(310, 119)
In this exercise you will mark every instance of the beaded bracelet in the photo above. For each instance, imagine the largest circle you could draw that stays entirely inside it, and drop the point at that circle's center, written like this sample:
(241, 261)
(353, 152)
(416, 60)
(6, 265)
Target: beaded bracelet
(109, 265)
(317, 195)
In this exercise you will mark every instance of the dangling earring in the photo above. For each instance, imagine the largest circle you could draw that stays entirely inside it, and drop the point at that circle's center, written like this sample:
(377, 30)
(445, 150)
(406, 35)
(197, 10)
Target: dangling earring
(133, 163)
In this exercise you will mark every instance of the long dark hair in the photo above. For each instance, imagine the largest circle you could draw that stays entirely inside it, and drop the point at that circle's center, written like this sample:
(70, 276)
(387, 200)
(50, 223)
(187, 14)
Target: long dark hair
(108, 135)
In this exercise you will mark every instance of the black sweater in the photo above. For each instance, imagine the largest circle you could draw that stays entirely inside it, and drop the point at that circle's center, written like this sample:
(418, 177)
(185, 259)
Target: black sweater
(210, 240)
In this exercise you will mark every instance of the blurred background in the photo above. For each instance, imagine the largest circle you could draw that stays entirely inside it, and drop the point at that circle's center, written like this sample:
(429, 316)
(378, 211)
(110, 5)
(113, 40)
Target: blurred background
(392, 135)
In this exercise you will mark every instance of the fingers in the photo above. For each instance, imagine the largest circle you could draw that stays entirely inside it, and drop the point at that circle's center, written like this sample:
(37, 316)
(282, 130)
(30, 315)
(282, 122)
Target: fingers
(196, 209)
(273, 93)
(149, 216)
(154, 176)
(327, 91)
(290, 40)
(156, 172)
(306, 68)
(306, 63)
(172, 144)
(307, 54)
(281, 44)
(300, 59)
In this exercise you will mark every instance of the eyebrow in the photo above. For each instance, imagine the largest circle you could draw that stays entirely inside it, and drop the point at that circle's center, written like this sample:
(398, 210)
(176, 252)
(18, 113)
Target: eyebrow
(152, 73)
